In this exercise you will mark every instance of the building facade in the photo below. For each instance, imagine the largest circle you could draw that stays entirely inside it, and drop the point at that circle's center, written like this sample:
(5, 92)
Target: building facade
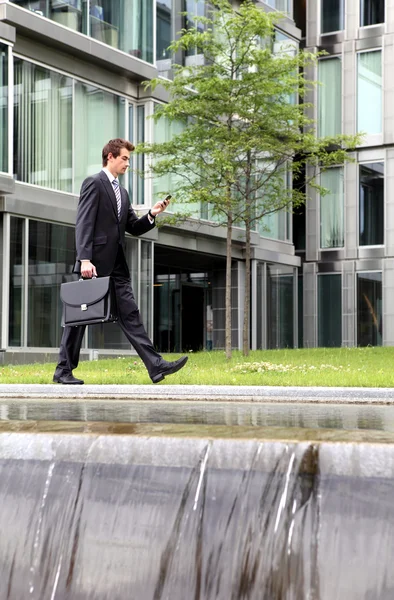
(71, 76)
(70, 79)
(348, 250)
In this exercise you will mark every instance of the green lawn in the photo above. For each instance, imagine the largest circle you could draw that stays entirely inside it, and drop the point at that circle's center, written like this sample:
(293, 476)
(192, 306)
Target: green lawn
(364, 367)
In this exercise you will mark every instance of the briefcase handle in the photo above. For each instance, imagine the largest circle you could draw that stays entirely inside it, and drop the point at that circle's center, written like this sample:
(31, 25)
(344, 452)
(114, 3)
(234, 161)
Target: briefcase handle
(82, 279)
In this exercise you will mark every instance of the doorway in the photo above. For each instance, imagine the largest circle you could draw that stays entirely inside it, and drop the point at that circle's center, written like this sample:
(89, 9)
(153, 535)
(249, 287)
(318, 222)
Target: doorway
(193, 306)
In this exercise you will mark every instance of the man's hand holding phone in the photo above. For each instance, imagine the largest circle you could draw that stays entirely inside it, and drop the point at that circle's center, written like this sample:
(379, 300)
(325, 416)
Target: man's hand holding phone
(160, 206)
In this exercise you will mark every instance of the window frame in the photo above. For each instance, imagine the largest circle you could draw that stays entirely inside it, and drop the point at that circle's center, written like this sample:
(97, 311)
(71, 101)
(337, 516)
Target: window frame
(371, 139)
(360, 163)
(319, 227)
(375, 24)
(320, 17)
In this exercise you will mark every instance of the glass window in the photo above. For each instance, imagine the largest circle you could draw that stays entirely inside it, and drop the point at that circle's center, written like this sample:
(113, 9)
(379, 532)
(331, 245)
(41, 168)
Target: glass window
(65, 12)
(51, 261)
(123, 24)
(163, 28)
(127, 25)
(331, 209)
(332, 15)
(280, 307)
(281, 5)
(369, 309)
(371, 12)
(369, 92)
(194, 8)
(3, 108)
(371, 204)
(42, 126)
(164, 131)
(330, 97)
(277, 225)
(94, 106)
(329, 311)
(16, 281)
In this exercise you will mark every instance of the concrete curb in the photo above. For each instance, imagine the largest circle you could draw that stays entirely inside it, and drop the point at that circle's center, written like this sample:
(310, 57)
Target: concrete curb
(203, 393)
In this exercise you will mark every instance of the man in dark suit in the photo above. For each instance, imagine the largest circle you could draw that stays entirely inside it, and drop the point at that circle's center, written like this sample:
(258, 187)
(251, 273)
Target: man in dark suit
(104, 215)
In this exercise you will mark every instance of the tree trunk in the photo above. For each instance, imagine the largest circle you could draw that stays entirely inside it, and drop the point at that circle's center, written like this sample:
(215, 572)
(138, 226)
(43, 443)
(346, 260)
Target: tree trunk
(228, 284)
(248, 226)
(246, 336)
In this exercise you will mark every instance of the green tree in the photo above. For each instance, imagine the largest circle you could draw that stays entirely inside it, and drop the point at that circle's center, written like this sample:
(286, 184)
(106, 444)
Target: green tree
(241, 129)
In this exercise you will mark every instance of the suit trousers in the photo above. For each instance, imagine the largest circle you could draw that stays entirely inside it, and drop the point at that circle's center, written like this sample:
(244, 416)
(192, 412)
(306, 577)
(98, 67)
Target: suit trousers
(129, 319)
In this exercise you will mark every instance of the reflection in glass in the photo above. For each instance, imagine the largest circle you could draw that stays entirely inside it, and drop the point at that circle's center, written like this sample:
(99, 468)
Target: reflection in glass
(332, 15)
(369, 309)
(16, 281)
(371, 12)
(280, 307)
(332, 209)
(281, 5)
(3, 108)
(329, 311)
(369, 92)
(99, 117)
(330, 97)
(371, 204)
(123, 24)
(163, 28)
(194, 9)
(42, 126)
(51, 260)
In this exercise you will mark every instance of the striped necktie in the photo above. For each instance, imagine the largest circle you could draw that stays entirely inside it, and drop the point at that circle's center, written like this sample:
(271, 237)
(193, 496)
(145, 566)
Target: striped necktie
(115, 183)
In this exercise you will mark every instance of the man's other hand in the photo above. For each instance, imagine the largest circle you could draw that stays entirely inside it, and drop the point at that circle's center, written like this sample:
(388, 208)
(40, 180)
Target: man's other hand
(88, 270)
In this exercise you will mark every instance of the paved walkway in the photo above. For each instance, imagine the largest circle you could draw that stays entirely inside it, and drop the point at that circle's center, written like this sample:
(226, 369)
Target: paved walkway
(262, 394)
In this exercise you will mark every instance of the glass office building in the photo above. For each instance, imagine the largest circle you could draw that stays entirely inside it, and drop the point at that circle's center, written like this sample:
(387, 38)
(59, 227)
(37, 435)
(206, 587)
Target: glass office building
(348, 250)
(70, 79)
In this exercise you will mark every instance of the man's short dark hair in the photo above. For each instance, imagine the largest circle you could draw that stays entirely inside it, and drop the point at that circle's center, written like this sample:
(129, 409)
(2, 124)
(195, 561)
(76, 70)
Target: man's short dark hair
(115, 146)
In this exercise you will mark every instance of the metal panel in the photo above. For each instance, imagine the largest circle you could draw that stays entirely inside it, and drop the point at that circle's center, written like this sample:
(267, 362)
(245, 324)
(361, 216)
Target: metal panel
(312, 223)
(348, 304)
(6, 281)
(388, 89)
(388, 304)
(310, 305)
(389, 203)
(351, 211)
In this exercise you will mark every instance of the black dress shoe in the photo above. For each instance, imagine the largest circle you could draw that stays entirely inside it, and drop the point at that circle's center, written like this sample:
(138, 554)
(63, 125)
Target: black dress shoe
(68, 379)
(169, 368)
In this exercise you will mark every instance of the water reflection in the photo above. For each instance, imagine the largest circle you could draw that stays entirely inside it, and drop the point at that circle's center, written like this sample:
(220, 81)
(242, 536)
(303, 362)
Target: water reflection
(313, 415)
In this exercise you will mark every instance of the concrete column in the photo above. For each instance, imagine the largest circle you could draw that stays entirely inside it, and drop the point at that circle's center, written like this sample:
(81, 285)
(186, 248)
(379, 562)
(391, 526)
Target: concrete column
(388, 89)
(349, 108)
(310, 305)
(351, 212)
(349, 303)
(389, 203)
(312, 222)
(388, 304)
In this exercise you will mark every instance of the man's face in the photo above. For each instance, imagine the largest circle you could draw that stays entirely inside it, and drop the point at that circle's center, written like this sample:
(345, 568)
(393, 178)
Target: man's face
(120, 164)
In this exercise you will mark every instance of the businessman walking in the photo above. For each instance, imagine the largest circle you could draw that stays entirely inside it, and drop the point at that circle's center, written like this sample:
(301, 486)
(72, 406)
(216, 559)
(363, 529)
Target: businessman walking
(104, 215)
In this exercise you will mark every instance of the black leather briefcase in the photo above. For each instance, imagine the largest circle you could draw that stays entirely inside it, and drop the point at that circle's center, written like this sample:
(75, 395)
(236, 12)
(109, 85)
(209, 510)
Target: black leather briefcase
(88, 301)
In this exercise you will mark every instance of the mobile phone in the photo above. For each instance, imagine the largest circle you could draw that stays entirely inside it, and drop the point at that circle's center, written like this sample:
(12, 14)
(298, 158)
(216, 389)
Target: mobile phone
(168, 197)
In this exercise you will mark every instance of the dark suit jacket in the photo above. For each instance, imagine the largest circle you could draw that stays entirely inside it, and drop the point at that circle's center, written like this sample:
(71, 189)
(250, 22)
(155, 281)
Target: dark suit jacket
(98, 232)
